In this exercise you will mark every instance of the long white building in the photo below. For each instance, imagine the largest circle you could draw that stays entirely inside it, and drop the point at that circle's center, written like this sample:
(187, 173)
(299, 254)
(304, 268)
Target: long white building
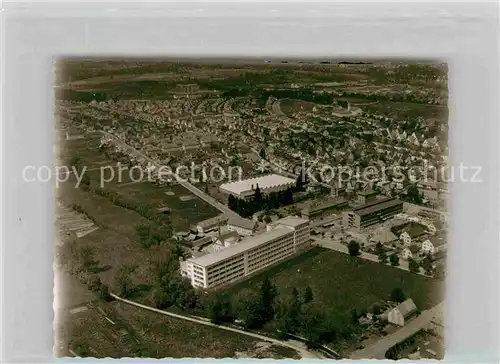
(268, 183)
(285, 238)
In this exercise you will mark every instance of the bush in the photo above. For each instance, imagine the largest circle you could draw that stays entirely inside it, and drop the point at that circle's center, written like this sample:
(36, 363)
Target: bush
(397, 295)
(354, 248)
(394, 259)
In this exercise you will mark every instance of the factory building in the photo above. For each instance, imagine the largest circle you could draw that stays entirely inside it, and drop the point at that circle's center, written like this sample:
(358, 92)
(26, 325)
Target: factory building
(372, 213)
(245, 189)
(284, 238)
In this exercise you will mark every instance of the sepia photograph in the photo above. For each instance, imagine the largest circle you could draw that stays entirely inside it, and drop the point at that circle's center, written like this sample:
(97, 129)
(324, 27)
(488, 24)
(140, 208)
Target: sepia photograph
(272, 208)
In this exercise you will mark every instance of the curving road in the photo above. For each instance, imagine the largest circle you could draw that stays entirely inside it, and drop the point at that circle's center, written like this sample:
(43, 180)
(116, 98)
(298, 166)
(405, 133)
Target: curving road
(304, 353)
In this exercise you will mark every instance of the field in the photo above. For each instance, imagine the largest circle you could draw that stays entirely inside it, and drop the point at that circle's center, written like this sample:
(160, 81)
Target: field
(171, 337)
(184, 211)
(340, 282)
(133, 332)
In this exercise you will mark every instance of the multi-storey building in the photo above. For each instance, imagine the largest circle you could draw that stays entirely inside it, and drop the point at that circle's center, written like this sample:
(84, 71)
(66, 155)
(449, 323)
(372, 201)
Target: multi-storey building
(283, 239)
(372, 213)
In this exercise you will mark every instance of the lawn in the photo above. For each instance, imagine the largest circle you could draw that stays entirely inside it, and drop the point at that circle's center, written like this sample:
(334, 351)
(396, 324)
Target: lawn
(340, 282)
(115, 243)
(183, 213)
(89, 334)
(170, 337)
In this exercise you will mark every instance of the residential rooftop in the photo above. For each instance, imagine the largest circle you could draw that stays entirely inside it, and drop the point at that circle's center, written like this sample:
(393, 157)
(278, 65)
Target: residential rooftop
(407, 307)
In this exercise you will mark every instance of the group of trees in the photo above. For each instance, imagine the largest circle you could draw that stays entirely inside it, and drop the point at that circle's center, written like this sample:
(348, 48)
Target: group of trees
(383, 257)
(148, 235)
(302, 316)
(254, 309)
(173, 289)
(260, 202)
(83, 264)
(413, 195)
(413, 266)
(425, 264)
(295, 314)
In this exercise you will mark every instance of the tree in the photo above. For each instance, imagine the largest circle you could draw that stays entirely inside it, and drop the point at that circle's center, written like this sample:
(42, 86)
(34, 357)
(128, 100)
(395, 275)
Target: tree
(248, 309)
(427, 265)
(104, 292)
(394, 259)
(354, 315)
(382, 258)
(267, 219)
(311, 325)
(86, 256)
(85, 182)
(268, 294)
(413, 194)
(231, 202)
(148, 236)
(354, 248)
(219, 309)
(299, 183)
(94, 283)
(376, 309)
(75, 161)
(288, 316)
(397, 295)
(413, 266)
(123, 282)
(308, 295)
(257, 197)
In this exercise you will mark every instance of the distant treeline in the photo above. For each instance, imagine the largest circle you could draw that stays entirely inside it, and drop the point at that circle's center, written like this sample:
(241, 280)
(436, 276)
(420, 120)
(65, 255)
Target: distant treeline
(82, 96)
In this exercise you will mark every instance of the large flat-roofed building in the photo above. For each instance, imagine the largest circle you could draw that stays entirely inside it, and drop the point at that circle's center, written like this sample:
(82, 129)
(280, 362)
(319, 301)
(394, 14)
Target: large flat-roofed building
(284, 238)
(372, 213)
(268, 183)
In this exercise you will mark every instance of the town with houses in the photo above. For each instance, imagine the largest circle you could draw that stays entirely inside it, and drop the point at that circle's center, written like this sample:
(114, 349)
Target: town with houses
(261, 209)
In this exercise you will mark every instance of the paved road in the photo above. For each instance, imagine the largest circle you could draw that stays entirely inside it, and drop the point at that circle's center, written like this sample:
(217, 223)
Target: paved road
(304, 353)
(336, 245)
(379, 348)
(209, 199)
